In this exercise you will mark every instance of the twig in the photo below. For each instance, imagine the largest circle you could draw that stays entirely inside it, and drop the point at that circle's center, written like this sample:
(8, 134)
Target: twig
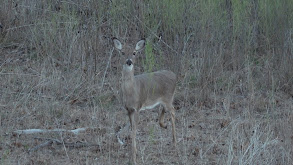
(111, 53)
(121, 142)
(63, 144)
(156, 35)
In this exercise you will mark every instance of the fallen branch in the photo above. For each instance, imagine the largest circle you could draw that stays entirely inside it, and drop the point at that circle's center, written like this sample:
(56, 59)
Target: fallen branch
(77, 144)
(47, 143)
(33, 131)
(121, 142)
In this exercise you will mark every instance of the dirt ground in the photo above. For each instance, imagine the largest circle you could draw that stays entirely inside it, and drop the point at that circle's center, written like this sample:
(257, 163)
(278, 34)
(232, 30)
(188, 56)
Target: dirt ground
(213, 132)
(233, 128)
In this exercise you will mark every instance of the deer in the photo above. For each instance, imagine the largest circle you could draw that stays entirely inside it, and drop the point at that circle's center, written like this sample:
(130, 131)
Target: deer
(145, 91)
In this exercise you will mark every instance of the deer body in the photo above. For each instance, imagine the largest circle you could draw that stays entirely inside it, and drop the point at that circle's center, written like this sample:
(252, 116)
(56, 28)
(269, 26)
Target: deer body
(145, 91)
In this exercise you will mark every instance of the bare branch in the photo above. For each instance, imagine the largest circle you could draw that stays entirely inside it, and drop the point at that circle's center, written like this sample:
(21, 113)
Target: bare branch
(34, 131)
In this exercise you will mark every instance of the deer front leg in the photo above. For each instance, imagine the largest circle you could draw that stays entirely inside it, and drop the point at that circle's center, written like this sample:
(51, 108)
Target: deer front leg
(132, 115)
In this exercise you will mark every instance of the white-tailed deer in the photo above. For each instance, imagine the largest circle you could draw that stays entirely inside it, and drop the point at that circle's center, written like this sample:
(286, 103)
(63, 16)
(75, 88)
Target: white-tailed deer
(145, 91)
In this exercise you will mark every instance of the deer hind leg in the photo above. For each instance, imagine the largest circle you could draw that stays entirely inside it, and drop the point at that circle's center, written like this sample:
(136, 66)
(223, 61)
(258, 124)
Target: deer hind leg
(161, 121)
(172, 111)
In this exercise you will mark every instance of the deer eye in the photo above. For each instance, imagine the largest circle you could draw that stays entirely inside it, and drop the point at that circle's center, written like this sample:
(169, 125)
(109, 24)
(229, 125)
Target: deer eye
(134, 53)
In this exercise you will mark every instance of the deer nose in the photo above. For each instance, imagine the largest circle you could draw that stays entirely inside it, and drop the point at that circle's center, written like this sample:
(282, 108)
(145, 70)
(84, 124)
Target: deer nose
(128, 62)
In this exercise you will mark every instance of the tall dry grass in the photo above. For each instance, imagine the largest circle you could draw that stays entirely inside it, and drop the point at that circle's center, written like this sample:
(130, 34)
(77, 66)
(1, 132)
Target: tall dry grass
(233, 60)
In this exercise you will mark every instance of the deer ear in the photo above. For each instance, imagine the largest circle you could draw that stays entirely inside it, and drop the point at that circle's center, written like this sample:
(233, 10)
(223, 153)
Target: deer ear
(117, 44)
(140, 45)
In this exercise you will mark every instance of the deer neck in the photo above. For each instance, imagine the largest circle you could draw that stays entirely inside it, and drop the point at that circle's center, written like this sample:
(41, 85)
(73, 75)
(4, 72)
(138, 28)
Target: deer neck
(128, 80)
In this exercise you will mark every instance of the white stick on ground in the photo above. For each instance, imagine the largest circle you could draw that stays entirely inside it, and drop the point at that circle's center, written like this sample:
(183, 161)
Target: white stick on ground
(126, 127)
(34, 131)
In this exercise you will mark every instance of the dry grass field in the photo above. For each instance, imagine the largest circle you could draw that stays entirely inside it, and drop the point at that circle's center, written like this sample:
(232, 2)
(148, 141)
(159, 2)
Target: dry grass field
(59, 70)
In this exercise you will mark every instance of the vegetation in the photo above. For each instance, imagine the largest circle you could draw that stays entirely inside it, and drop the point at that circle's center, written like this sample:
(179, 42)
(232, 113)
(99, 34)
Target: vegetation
(233, 59)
